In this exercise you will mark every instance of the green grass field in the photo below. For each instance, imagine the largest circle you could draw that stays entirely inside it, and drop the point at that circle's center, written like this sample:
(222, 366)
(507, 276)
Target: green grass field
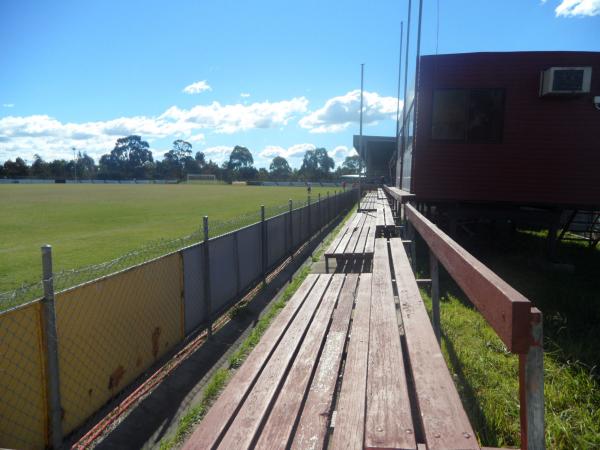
(90, 224)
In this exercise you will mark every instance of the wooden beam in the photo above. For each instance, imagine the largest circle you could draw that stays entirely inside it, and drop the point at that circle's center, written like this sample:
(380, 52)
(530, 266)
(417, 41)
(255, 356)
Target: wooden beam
(444, 420)
(282, 416)
(504, 308)
(388, 421)
(312, 427)
(348, 433)
(221, 414)
(248, 419)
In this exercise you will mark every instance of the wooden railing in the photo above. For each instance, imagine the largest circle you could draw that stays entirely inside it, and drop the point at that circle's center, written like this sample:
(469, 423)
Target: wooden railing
(512, 316)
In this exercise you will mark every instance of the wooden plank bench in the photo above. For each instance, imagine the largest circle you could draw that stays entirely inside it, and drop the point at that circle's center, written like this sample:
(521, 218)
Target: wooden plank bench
(386, 224)
(355, 241)
(444, 421)
(369, 202)
(299, 389)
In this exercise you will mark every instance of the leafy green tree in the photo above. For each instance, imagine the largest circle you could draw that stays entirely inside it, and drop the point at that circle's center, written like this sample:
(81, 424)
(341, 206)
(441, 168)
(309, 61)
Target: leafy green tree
(179, 158)
(40, 168)
(200, 159)
(127, 158)
(280, 169)
(240, 157)
(16, 169)
(350, 166)
(317, 164)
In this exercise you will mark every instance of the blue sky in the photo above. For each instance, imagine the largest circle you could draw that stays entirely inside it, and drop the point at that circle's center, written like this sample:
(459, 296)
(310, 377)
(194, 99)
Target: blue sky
(277, 77)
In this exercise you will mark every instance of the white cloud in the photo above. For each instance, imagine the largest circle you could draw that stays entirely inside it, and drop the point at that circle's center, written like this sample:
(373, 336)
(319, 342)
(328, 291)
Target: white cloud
(237, 117)
(295, 151)
(577, 8)
(197, 138)
(218, 153)
(197, 87)
(8, 105)
(340, 112)
(52, 138)
(244, 95)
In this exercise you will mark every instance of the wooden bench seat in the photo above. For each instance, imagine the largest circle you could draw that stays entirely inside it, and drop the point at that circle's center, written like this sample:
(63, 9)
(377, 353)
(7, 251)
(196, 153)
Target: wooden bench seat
(385, 223)
(355, 241)
(369, 202)
(331, 372)
(444, 420)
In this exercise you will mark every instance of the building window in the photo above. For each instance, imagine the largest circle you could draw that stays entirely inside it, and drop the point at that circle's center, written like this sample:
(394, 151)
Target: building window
(468, 115)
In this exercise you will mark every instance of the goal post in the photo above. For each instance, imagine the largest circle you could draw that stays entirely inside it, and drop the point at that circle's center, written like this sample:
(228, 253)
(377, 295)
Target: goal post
(201, 178)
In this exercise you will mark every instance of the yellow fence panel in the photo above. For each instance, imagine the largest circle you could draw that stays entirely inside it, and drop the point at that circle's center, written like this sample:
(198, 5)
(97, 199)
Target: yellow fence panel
(22, 382)
(112, 330)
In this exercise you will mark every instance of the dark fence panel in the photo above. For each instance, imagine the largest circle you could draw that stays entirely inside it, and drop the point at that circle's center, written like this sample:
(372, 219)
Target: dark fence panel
(276, 248)
(222, 265)
(296, 227)
(193, 287)
(314, 217)
(248, 240)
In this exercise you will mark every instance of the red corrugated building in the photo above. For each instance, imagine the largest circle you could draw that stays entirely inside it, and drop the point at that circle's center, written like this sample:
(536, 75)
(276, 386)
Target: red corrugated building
(486, 135)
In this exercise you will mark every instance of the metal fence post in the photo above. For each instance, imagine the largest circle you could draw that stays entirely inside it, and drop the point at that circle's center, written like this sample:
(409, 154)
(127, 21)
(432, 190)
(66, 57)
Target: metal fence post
(291, 205)
(531, 388)
(320, 209)
(434, 274)
(309, 218)
(413, 246)
(263, 244)
(51, 340)
(207, 290)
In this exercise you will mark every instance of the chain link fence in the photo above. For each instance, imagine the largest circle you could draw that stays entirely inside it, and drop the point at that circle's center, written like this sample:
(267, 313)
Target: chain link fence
(65, 355)
(65, 279)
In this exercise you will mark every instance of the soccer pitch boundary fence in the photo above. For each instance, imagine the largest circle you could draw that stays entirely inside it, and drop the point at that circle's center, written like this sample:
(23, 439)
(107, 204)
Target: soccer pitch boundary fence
(65, 355)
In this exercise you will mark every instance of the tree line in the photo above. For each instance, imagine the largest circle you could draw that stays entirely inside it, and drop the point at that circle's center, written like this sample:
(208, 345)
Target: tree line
(131, 158)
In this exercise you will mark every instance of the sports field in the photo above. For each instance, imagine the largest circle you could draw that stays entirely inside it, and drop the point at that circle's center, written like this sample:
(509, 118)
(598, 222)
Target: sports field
(90, 224)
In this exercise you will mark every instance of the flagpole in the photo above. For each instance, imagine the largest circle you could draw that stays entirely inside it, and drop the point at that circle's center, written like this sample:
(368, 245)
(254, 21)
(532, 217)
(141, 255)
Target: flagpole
(360, 139)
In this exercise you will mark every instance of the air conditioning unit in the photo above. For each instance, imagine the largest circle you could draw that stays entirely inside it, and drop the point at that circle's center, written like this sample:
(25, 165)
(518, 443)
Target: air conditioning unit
(565, 80)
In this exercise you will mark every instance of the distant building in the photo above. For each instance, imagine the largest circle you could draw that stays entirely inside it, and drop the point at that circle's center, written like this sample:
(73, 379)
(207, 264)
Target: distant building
(377, 153)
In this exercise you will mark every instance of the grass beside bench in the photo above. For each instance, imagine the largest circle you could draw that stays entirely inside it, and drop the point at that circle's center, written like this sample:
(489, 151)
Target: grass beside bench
(487, 375)
(221, 377)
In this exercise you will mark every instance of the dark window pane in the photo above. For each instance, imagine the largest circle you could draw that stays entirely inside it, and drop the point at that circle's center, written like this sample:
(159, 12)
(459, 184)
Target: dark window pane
(448, 119)
(485, 115)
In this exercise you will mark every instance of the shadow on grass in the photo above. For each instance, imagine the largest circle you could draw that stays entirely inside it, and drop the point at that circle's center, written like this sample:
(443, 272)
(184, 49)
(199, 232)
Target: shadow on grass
(568, 296)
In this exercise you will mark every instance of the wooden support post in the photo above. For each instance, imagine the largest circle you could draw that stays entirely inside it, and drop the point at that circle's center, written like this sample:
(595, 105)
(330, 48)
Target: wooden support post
(435, 294)
(54, 408)
(291, 228)
(207, 288)
(263, 246)
(309, 218)
(413, 246)
(531, 388)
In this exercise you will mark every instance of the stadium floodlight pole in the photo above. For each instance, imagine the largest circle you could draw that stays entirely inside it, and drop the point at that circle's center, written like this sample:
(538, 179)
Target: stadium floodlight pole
(416, 95)
(75, 162)
(402, 147)
(396, 181)
(360, 138)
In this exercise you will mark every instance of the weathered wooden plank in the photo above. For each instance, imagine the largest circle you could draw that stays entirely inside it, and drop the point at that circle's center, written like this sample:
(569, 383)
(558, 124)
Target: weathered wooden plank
(210, 430)
(388, 420)
(336, 242)
(280, 423)
(312, 426)
(341, 249)
(351, 247)
(504, 308)
(443, 417)
(248, 419)
(348, 433)
(364, 232)
(370, 245)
